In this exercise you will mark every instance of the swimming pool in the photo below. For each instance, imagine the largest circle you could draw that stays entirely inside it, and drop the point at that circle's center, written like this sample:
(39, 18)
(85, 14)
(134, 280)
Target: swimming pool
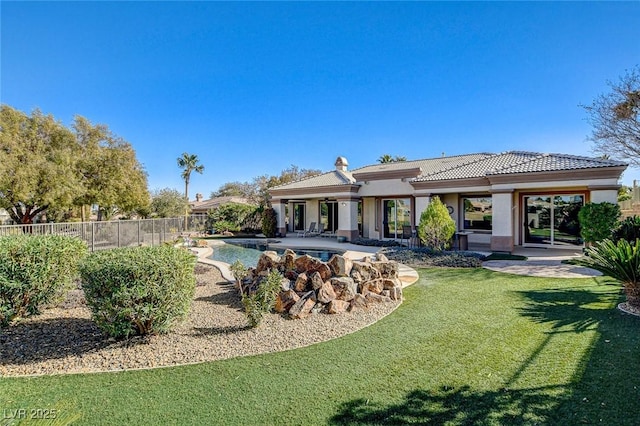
(249, 252)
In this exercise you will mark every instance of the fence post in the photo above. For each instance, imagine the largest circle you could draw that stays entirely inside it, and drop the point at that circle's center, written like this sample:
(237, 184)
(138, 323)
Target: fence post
(93, 236)
(118, 229)
(139, 242)
(153, 232)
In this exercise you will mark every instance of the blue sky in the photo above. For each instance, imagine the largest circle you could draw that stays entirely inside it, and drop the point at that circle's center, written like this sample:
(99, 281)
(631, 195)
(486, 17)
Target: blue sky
(252, 88)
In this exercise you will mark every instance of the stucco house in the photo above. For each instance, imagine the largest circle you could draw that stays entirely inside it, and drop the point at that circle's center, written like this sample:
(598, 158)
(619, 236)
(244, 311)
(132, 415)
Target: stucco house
(500, 200)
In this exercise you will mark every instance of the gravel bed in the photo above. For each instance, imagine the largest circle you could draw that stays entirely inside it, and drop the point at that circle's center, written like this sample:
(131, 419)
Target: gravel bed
(64, 340)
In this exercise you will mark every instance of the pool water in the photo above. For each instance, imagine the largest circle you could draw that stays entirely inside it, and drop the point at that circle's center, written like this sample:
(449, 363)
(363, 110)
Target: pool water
(249, 253)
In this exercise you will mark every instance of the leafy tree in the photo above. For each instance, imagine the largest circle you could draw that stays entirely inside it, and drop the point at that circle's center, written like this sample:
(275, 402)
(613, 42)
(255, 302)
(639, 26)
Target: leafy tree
(189, 163)
(235, 189)
(597, 220)
(386, 158)
(436, 226)
(625, 193)
(38, 164)
(229, 216)
(168, 202)
(615, 118)
(113, 178)
(257, 191)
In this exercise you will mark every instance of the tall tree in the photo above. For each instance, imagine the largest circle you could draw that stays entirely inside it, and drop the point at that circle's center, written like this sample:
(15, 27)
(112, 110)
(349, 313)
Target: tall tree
(168, 202)
(189, 163)
(615, 118)
(38, 164)
(113, 178)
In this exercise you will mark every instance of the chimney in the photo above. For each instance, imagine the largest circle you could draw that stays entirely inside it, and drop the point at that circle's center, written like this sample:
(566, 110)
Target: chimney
(198, 197)
(341, 164)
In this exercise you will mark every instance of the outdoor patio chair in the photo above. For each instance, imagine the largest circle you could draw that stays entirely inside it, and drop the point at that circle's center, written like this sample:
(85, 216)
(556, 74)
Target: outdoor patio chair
(311, 230)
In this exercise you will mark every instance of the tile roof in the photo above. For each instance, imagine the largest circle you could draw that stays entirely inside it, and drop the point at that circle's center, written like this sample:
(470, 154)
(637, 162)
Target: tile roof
(513, 162)
(464, 167)
(332, 178)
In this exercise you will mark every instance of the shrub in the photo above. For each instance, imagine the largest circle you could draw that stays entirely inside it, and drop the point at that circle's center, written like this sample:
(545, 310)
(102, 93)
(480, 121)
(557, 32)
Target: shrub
(597, 220)
(269, 222)
(628, 229)
(139, 290)
(263, 300)
(436, 226)
(229, 216)
(620, 261)
(36, 271)
(239, 271)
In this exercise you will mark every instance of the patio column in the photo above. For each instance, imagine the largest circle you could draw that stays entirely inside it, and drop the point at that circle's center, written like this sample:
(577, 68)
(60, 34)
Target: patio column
(421, 203)
(503, 212)
(348, 218)
(280, 206)
(604, 193)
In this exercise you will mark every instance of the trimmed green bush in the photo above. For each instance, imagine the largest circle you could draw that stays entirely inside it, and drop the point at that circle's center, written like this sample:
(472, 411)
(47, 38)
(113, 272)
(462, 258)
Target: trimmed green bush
(263, 300)
(139, 290)
(36, 271)
(597, 220)
(436, 226)
(269, 222)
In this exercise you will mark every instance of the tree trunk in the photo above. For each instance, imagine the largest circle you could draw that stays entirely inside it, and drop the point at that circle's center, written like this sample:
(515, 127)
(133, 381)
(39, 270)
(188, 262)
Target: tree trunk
(632, 291)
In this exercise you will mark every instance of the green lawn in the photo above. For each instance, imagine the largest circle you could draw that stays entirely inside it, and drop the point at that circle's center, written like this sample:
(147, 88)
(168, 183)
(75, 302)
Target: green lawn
(466, 347)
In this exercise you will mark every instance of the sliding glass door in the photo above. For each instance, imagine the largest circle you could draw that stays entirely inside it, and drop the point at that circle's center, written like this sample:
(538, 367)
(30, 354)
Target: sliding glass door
(396, 213)
(552, 219)
(299, 216)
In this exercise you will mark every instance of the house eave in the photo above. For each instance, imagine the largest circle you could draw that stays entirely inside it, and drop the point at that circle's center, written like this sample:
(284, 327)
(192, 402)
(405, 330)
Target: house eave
(311, 191)
(558, 175)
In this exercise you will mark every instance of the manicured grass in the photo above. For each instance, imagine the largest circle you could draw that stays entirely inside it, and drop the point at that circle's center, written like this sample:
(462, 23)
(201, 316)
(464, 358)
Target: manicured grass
(466, 347)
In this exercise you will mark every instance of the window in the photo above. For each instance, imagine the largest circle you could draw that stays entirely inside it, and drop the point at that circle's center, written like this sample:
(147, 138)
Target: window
(478, 213)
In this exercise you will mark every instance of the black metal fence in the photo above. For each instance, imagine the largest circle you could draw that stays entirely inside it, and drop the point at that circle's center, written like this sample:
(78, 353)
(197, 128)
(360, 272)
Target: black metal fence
(115, 233)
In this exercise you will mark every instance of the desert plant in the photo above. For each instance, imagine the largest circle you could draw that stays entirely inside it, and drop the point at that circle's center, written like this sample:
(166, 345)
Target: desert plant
(139, 290)
(257, 304)
(620, 261)
(597, 220)
(269, 222)
(36, 271)
(628, 229)
(239, 271)
(436, 226)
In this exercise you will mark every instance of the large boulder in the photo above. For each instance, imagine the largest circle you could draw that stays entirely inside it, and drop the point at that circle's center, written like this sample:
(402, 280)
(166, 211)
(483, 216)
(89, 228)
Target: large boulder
(326, 293)
(287, 260)
(376, 298)
(268, 260)
(344, 287)
(321, 268)
(359, 301)
(285, 300)
(374, 286)
(316, 281)
(302, 308)
(338, 306)
(363, 271)
(301, 282)
(340, 266)
(388, 269)
(390, 283)
(302, 263)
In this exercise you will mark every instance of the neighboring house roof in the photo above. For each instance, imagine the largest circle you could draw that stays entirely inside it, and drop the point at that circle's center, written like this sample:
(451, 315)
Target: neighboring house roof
(332, 178)
(206, 205)
(472, 168)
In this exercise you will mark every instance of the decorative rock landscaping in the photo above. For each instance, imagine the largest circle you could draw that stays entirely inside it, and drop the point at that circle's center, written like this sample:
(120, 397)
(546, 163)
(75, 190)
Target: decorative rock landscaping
(310, 285)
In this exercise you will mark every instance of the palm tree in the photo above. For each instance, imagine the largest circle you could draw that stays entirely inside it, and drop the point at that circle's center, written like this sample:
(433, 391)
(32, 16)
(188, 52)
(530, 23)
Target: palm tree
(386, 158)
(189, 163)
